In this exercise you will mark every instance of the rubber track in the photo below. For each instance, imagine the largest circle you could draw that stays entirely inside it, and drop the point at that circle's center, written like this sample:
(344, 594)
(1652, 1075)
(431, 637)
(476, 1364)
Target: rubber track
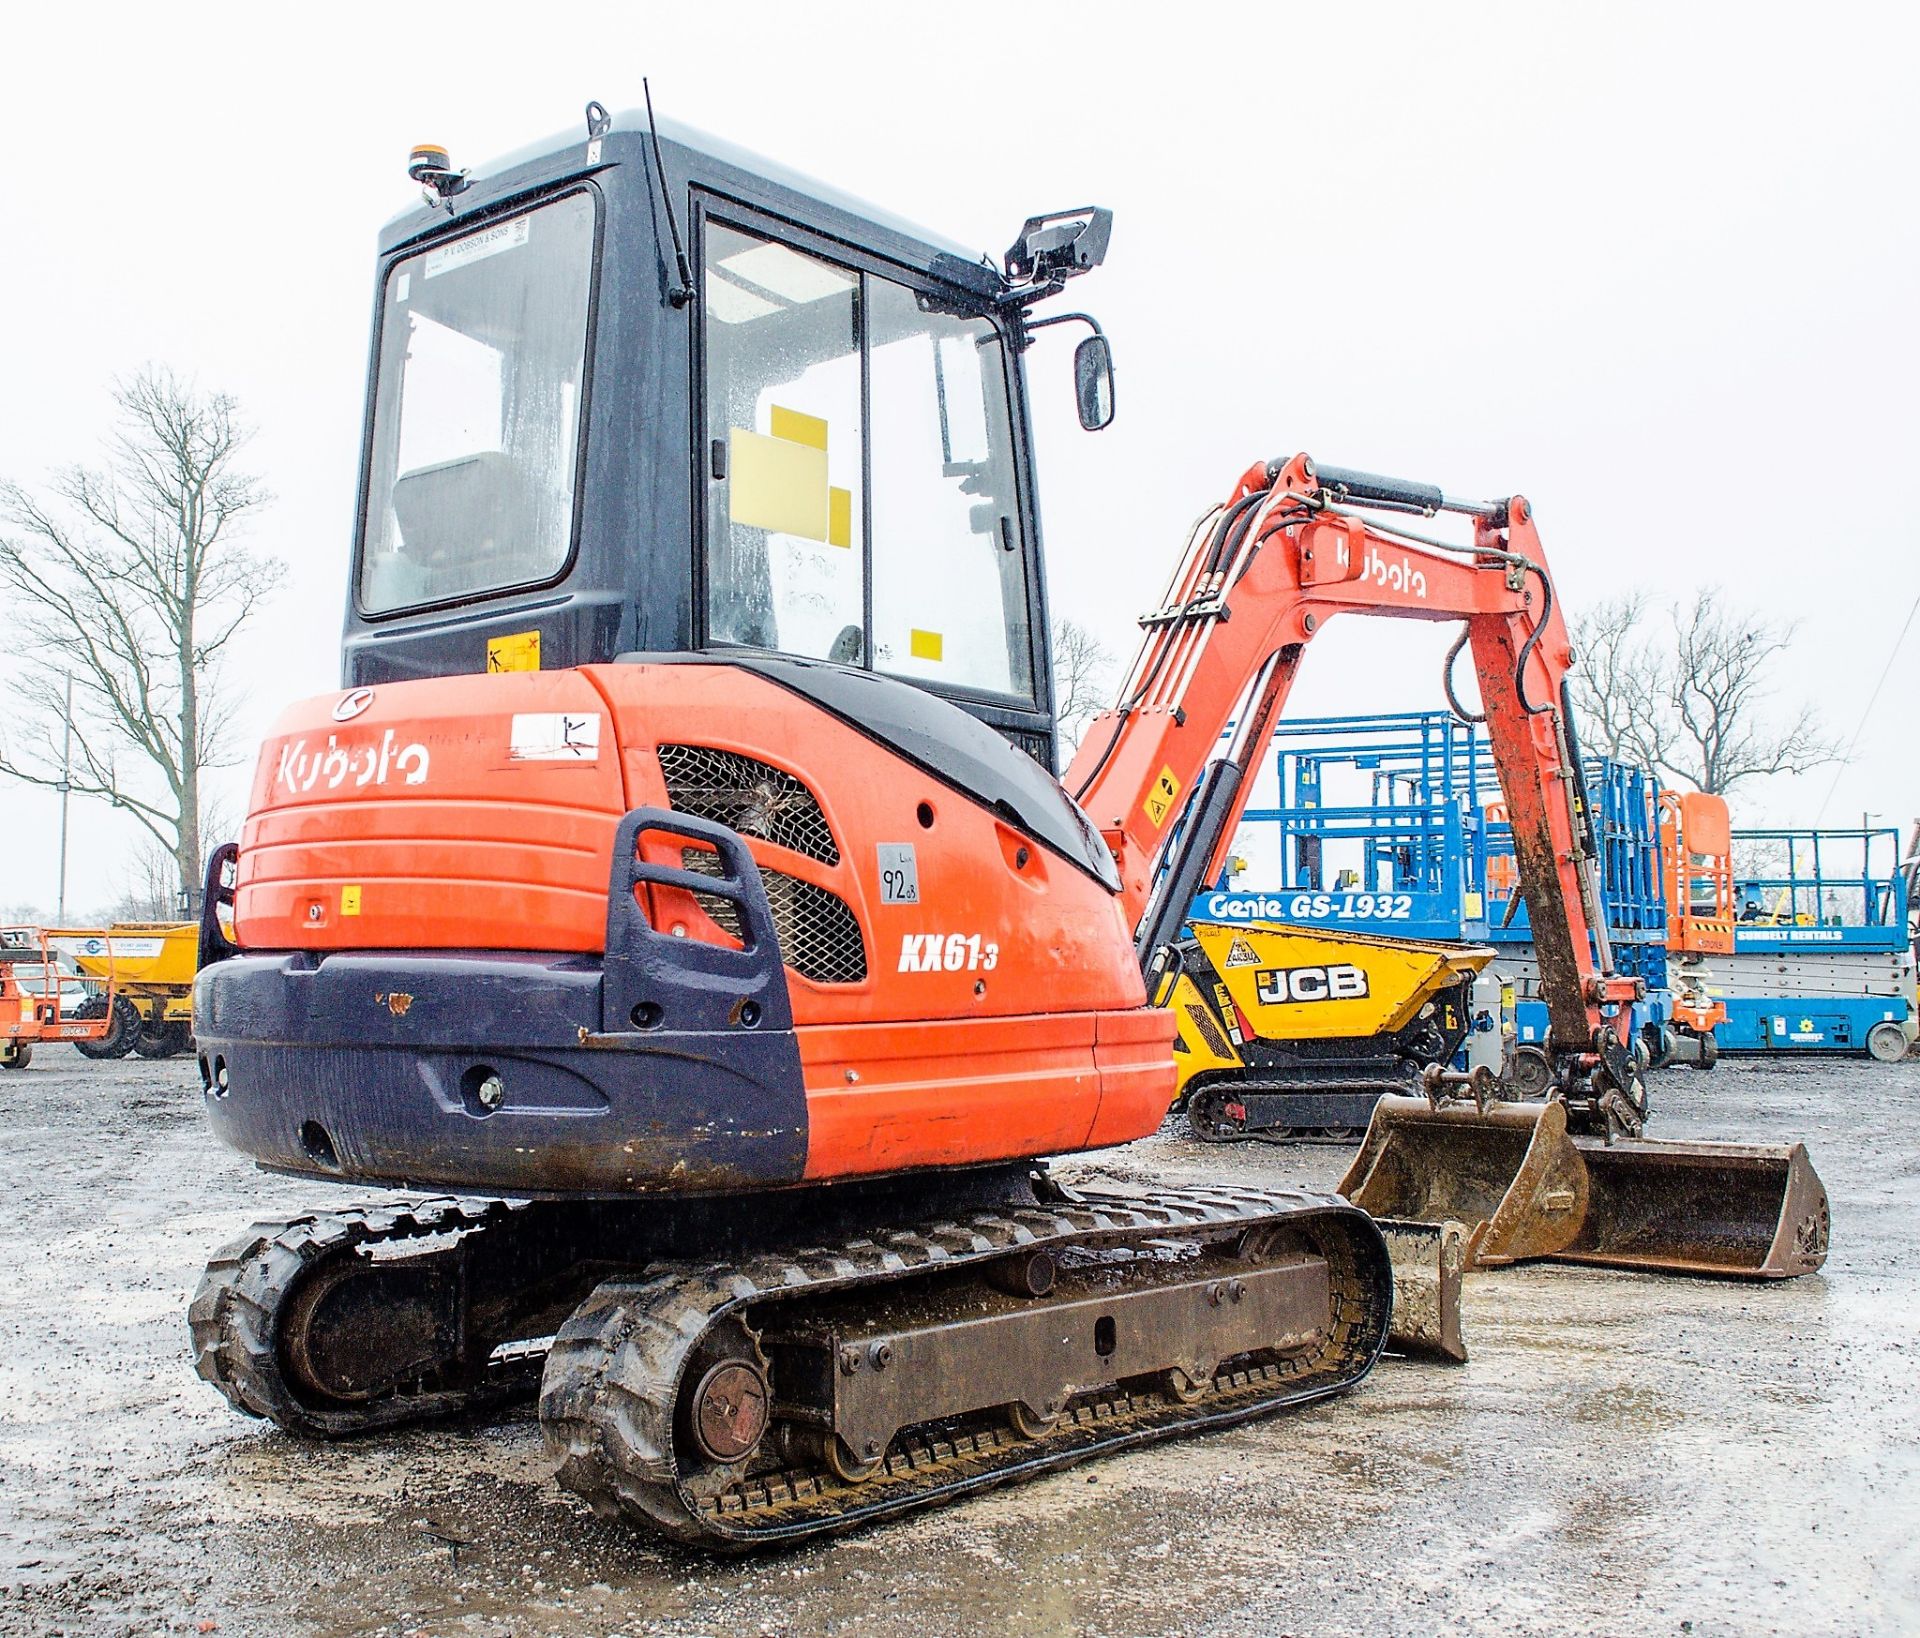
(607, 1405)
(233, 1318)
(1381, 1086)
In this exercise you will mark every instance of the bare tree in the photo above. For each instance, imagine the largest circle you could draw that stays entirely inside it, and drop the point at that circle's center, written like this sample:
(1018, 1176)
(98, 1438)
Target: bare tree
(130, 578)
(1692, 700)
(151, 892)
(1616, 689)
(1082, 681)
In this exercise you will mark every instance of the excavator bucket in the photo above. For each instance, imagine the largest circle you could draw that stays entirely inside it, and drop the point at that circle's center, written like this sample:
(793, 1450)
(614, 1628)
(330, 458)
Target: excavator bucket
(1743, 1209)
(1526, 1189)
(1512, 1175)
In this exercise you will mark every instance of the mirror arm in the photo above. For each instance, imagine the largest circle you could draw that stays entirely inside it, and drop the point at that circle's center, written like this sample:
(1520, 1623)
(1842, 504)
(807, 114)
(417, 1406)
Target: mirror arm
(1087, 319)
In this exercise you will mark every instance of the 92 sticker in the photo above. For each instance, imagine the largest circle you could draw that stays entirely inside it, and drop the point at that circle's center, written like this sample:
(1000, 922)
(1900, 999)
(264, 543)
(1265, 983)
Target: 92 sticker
(899, 873)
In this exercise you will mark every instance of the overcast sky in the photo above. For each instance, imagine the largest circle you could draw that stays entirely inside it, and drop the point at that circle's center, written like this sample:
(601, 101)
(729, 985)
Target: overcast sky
(1653, 267)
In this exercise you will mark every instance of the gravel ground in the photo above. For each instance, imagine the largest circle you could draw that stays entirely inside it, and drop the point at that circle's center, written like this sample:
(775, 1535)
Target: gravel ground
(1624, 1454)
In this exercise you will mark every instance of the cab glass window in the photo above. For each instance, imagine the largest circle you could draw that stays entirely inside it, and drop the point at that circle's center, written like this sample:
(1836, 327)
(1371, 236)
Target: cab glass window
(829, 389)
(476, 421)
(949, 587)
(786, 545)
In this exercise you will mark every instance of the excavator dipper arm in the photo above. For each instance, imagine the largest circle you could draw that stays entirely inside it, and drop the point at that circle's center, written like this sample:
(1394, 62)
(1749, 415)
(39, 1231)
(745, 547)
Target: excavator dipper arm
(1261, 576)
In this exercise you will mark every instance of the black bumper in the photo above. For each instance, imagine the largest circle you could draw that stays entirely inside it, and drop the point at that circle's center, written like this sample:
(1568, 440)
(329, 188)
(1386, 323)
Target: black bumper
(667, 1066)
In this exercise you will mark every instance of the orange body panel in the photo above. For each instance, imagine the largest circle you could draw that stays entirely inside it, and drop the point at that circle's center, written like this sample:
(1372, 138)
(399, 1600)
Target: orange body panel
(881, 1097)
(497, 834)
(413, 823)
(1038, 931)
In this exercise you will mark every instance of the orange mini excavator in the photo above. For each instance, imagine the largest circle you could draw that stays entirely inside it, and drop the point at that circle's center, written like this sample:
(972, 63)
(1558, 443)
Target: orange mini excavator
(678, 878)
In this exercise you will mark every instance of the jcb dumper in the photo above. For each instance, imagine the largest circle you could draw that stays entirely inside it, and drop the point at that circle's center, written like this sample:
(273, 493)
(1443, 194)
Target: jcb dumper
(151, 965)
(676, 880)
(1287, 1031)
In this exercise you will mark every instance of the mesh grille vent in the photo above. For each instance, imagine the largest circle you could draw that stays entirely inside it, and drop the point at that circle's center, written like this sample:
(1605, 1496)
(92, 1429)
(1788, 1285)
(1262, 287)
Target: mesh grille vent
(819, 935)
(1208, 1031)
(749, 796)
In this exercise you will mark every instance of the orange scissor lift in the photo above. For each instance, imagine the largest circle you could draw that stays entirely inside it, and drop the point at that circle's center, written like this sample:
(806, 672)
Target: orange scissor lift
(1696, 849)
(39, 1001)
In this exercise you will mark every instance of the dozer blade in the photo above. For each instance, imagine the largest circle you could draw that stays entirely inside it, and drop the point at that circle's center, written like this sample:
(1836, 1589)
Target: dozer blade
(1512, 1174)
(1529, 1190)
(1428, 1262)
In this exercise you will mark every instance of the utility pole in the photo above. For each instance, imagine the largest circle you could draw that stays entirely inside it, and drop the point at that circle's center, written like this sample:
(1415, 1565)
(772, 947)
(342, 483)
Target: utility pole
(65, 787)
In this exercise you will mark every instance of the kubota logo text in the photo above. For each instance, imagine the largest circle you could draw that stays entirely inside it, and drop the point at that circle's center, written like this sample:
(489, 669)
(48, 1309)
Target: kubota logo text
(1401, 576)
(330, 766)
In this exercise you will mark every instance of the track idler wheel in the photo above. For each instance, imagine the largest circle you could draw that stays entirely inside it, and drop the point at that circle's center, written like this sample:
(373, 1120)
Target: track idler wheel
(1214, 1115)
(356, 1329)
(726, 1403)
(295, 1323)
(729, 1410)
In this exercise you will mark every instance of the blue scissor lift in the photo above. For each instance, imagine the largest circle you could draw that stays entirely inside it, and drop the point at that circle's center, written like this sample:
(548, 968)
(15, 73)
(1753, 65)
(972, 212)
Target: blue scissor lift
(1823, 959)
(1391, 823)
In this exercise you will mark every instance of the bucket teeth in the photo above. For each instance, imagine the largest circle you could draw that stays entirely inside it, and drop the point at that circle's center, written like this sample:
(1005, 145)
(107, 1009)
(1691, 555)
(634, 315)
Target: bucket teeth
(1527, 1190)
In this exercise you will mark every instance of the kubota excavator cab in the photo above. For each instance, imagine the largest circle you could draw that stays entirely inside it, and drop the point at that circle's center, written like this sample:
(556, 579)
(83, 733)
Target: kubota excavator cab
(827, 459)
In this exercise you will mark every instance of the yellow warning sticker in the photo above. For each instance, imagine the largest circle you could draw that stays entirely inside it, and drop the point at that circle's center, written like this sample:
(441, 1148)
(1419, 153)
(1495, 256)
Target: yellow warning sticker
(350, 901)
(798, 428)
(1159, 802)
(516, 651)
(926, 645)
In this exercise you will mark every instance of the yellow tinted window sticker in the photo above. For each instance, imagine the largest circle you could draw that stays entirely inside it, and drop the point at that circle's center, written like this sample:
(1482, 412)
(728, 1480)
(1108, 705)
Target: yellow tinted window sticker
(1159, 800)
(840, 517)
(517, 651)
(777, 484)
(350, 901)
(926, 645)
(797, 428)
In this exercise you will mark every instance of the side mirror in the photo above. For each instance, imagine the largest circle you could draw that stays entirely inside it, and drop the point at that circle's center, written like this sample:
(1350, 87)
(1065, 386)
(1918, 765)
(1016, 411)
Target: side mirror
(1093, 382)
